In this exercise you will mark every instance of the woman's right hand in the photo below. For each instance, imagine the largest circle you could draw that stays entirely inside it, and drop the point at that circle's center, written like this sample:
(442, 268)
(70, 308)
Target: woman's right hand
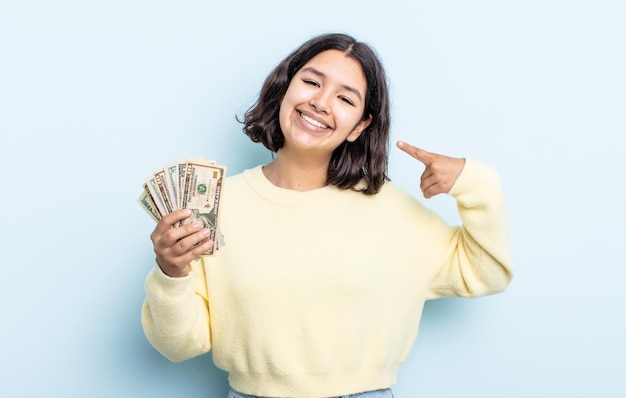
(176, 247)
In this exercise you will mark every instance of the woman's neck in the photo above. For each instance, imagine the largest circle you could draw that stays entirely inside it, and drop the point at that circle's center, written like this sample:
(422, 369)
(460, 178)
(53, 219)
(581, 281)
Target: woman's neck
(297, 173)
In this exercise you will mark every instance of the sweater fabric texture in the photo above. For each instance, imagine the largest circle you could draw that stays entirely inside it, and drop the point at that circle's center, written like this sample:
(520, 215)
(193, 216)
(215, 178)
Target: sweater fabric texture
(320, 293)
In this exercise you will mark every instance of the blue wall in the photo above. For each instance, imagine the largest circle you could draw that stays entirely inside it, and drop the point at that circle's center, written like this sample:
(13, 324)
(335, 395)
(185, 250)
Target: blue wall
(95, 95)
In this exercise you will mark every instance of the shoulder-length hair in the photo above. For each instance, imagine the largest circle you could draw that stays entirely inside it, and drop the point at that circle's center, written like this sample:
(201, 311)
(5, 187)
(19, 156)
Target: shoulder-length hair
(365, 159)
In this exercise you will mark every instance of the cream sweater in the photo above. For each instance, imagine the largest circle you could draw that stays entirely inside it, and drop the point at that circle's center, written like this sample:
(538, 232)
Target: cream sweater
(320, 293)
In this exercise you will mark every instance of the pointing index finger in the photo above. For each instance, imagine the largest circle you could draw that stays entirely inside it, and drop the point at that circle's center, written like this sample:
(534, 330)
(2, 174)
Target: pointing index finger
(418, 153)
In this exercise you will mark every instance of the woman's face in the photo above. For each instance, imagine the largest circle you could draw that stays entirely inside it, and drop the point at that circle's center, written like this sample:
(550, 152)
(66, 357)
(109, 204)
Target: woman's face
(324, 104)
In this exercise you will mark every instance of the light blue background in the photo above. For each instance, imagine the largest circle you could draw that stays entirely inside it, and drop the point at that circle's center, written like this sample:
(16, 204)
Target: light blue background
(95, 95)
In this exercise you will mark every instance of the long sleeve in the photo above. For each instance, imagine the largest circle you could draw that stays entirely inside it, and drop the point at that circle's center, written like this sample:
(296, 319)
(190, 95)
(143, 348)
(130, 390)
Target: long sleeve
(478, 259)
(175, 315)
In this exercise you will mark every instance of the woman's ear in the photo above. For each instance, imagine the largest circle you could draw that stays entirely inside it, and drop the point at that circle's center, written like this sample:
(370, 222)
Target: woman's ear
(358, 129)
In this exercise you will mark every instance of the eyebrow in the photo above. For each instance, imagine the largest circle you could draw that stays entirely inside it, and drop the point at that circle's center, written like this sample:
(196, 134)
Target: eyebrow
(322, 75)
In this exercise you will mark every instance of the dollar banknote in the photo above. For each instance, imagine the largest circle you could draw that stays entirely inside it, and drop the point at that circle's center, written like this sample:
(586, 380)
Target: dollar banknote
(201, 192)
(159, 184)
(171, 183)
(152, 190)
(194, 184)
(147, 203)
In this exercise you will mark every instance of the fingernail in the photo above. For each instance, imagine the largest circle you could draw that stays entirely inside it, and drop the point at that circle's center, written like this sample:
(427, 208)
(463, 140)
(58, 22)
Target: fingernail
(194, 226)
(187, 212)
(206, 232)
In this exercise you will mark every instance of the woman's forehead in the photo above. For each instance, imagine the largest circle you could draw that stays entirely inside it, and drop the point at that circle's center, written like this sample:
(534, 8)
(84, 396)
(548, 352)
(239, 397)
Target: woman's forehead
(336, 65)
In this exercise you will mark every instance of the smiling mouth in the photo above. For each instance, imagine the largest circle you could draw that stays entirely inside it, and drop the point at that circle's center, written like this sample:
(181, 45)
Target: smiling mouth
(312, 121)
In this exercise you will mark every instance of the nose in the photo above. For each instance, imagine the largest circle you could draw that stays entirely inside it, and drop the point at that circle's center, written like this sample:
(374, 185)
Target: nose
(320, 102)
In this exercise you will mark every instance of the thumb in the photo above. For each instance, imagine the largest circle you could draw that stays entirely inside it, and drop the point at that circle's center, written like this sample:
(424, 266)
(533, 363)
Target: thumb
(418, 153)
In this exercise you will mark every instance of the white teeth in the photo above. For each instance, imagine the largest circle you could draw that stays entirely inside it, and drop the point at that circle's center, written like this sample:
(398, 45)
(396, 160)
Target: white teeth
(313, 122)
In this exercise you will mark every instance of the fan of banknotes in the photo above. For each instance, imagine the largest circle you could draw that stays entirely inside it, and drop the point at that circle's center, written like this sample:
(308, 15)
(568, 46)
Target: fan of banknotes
(194, 184)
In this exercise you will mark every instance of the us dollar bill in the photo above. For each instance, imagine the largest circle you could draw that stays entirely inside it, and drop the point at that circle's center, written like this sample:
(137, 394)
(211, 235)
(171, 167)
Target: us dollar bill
(171, 183)
(147, 203)
(179, 178)
(162, 191)
(153, 190)
(202, 191)
(194, 184)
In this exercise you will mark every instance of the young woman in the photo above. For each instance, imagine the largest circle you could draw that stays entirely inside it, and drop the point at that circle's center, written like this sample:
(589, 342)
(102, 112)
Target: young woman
(319, 287)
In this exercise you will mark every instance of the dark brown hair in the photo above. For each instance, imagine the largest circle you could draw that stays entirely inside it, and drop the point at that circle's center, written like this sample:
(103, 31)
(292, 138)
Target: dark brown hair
(365, 158)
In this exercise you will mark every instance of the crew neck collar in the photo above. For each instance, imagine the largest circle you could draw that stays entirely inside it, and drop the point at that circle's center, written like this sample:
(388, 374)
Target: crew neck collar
(287, 197)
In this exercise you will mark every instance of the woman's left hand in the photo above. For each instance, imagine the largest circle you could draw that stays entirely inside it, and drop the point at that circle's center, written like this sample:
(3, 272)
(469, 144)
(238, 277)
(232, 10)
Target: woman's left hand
(441, 171)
